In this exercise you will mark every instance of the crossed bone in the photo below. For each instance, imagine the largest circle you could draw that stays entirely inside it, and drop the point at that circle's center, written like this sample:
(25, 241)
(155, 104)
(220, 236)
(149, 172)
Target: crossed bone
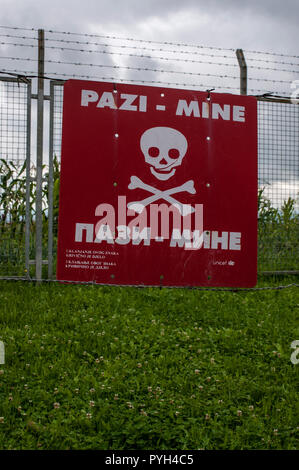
(138, 206)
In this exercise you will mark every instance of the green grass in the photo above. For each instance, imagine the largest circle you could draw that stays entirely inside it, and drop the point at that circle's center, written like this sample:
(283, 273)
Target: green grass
(148, 368)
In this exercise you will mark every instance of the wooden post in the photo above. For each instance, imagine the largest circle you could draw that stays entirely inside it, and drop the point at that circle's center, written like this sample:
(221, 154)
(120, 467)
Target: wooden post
(243, 71)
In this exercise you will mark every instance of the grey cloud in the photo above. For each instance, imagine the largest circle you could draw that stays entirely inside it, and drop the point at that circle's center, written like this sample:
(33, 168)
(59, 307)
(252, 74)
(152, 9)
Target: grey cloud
(76, 15)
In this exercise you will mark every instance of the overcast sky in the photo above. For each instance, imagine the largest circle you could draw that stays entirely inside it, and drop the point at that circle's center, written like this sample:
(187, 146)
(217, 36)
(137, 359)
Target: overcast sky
(269, 25)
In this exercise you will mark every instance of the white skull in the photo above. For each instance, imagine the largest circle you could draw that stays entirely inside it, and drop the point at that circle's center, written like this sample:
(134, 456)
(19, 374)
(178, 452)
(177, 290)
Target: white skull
(163, 148)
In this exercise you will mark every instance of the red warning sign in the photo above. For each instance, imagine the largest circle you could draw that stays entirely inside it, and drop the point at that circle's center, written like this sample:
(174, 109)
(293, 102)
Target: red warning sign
(158, 186)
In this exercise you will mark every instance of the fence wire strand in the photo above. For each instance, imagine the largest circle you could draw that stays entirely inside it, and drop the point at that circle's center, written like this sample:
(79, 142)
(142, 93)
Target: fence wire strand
(139, 286)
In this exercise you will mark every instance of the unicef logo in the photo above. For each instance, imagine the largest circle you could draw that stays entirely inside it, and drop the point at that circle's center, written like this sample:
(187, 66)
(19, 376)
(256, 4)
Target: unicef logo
(295, 93)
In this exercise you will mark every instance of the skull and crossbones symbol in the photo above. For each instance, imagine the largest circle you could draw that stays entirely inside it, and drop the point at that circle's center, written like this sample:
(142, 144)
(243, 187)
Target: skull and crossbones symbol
(164, 149)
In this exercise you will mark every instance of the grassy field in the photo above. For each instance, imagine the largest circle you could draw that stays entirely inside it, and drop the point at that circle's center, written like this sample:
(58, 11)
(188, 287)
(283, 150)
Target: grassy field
(121, 368)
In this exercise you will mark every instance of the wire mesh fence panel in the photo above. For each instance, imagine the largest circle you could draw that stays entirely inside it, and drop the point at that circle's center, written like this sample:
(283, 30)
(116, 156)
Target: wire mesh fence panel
(14, 149)
(13, 115)
(279, 151)
(278, 178)
(57, 119)
(55, 134)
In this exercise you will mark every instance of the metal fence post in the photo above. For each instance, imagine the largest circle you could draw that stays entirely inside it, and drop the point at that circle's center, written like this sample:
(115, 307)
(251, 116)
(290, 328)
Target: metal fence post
(243, 71)
(28, 180)
(50, 185)
(39, 156)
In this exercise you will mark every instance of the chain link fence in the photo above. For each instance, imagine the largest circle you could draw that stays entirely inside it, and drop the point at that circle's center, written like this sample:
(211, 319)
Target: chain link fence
(15, 129)
(278, 157)
(278, 151)
(13, 115)
(278, 179)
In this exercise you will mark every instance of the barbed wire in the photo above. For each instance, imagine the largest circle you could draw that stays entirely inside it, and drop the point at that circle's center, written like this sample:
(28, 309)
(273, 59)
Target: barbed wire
(172, 59)
(125, 46)
(122, 54)
(138, 68)
(113, 79)
(19, 74)
(16, 28)
(165, 43)
(145, 57)
(153, 82)
(142, 69)
(151, 49)
(53, 76)
(13, 36)
(148, 69)
(28, 59)
(145, 69)
(278, 54)
(137, 40)
(98, 284)
(2, 43)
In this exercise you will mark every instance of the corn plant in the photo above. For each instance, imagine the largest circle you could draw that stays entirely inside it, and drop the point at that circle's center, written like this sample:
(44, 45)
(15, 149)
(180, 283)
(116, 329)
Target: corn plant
(13, 211)
(278, 232)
